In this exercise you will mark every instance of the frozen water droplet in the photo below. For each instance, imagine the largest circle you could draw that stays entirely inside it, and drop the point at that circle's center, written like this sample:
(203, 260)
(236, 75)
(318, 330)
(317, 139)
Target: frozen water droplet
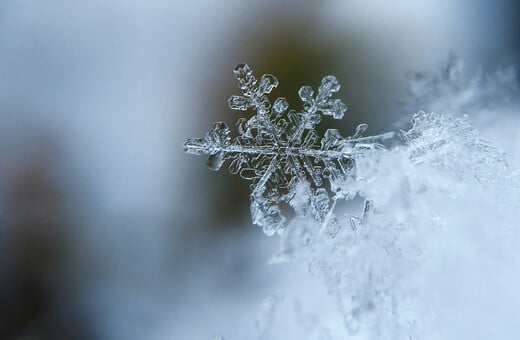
(215, 161)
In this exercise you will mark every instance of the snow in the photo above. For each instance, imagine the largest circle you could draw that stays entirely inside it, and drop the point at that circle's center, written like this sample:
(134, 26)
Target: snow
(434, 254)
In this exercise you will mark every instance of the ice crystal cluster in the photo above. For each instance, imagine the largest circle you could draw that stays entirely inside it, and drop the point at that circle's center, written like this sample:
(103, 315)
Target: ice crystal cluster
(384, 275)
(435, 253)
(280, 152)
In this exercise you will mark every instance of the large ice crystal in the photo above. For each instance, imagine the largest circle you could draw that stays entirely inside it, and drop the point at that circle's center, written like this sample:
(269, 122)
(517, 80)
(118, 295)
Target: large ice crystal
(281, 153)
(435, 253)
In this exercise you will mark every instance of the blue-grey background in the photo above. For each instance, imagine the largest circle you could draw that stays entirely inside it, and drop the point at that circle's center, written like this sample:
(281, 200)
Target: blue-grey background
(107, 229)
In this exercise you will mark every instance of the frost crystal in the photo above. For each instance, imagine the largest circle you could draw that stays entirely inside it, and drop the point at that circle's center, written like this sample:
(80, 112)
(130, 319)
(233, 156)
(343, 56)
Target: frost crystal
(442, 208)
(281, 153)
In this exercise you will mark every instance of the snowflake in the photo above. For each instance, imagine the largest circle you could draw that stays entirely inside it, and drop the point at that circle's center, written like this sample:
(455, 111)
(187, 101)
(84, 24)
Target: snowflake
(281, 153)
(437, 197)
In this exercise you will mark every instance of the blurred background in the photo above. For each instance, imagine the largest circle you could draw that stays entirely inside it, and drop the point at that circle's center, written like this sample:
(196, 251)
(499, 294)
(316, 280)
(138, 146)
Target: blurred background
(107, 229)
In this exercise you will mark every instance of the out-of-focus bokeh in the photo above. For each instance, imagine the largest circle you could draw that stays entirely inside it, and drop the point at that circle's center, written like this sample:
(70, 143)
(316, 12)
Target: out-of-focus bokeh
(107, 229)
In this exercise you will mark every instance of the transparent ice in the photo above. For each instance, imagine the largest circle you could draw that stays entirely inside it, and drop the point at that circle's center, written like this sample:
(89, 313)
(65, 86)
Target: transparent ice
(280, 152)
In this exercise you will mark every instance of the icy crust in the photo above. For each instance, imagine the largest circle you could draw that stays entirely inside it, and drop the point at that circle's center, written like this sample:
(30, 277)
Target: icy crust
(418, 193)
(280, 152)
